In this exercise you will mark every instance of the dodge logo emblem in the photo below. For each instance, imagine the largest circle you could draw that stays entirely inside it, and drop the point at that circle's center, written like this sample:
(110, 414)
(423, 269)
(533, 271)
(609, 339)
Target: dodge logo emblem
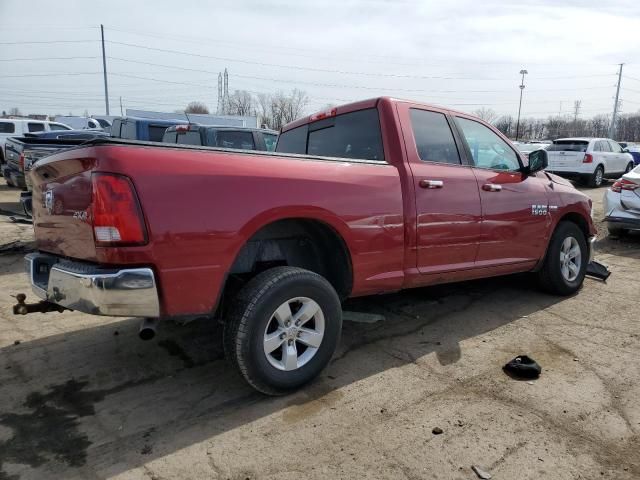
(48, 201)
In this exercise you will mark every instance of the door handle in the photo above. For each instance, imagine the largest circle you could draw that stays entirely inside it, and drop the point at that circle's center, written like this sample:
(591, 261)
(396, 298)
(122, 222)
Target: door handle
(431, 183)
(491, 187)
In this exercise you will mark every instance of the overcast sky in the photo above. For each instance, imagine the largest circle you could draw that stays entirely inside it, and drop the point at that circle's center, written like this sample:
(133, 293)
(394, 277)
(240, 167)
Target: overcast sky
(463, 54)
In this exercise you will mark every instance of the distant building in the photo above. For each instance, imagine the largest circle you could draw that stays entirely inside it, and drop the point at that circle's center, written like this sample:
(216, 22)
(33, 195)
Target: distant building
(203, 119)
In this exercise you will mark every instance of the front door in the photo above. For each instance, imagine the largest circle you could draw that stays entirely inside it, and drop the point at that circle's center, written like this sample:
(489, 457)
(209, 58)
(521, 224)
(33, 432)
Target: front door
(515, 208)
(446, 193)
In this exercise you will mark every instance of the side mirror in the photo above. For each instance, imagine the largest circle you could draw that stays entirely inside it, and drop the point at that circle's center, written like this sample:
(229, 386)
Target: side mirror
(538, 160)
(625, 150)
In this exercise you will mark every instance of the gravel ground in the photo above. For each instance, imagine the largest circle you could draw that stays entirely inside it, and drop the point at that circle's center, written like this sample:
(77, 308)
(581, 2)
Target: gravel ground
(83, 397)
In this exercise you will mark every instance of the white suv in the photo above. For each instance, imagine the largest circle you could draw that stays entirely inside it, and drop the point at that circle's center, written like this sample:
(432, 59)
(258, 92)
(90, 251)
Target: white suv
(16, 127)
(590, 160)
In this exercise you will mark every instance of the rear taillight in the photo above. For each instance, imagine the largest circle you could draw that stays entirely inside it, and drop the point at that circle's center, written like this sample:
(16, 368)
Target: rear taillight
(588, 158)
(624, 184)
(116, 214)
(21, 162)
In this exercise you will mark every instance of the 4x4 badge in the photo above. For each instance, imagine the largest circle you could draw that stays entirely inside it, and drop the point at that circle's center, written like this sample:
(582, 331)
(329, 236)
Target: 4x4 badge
(48, 201)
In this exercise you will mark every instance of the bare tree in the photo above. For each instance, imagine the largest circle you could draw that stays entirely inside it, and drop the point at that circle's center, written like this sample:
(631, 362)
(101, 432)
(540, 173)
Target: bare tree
(278, 109)
(15, 111)
(196, 107)
(241, 102)
(486, 114)
(505, 124)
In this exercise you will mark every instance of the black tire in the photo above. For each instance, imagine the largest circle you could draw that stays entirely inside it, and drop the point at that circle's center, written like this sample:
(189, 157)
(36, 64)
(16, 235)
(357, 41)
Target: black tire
(616, 231)
(253, 309)
(597, 179)
(550, 275)
(630, 166)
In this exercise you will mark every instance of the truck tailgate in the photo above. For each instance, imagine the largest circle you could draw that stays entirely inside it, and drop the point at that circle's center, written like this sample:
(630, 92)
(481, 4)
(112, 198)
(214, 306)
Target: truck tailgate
(62, 204)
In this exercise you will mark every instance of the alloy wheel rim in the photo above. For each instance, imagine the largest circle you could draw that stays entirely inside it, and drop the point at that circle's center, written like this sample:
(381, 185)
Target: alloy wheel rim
(570, 259)
(294, 333)
(598, 176)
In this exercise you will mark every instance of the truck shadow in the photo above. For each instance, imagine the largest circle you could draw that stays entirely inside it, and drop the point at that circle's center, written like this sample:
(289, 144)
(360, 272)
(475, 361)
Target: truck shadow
(98, 401)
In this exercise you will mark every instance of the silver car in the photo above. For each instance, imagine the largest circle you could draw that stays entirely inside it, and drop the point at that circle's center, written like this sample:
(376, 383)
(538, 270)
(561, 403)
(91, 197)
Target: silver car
(622, 203)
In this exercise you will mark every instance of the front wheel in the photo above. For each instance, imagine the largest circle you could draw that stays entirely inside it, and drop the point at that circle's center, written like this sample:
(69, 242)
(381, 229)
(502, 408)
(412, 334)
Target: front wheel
(283, 328)
(565, 265)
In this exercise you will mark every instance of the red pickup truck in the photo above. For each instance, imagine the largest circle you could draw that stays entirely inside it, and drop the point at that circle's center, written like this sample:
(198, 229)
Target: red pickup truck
(370, 197)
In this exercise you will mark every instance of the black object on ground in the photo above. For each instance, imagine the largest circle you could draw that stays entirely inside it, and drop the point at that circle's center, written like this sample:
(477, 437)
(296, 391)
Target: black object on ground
(598, 271)
(523, 367)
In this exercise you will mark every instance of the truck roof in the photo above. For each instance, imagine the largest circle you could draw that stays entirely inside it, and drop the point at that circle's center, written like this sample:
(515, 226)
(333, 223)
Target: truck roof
(362, 105)
(197, 126)
(581, 139)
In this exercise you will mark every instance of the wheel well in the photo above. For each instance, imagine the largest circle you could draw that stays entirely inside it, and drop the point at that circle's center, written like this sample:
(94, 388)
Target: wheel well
(579, 220)
(297, 242)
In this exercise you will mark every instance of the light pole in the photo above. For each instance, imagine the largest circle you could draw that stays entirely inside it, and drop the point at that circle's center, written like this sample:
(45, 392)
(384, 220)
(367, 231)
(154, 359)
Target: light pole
(523, 73)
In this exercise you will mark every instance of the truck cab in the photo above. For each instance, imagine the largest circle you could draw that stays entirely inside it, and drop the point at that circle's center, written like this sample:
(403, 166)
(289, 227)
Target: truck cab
(144, 129)
(240, 138)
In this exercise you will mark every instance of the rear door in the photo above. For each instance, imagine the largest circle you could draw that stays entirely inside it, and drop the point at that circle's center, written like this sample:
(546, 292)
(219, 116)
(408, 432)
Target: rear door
(446, 192)
(515, 209)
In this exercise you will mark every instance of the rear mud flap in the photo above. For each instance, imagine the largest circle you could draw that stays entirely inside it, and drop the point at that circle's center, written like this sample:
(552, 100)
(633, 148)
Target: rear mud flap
(598, 271)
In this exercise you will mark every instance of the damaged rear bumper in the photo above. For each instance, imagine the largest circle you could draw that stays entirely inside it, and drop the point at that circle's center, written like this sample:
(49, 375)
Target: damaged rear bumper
(93, 289)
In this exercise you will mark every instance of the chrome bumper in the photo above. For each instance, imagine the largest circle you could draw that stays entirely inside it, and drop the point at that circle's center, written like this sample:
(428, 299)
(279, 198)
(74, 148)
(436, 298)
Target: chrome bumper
(93, 289)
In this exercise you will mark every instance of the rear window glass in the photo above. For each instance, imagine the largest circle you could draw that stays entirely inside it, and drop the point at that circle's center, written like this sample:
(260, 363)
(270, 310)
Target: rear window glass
(115, 128)
(170, 136)
(350, 135)
(156, 132)
(129, 130)
(270, 141)
(434, 140)
(7, 127)
(568, 146)
(58, 126)
(189, 138)
(36, 127)
(293, 141)
(234, 139)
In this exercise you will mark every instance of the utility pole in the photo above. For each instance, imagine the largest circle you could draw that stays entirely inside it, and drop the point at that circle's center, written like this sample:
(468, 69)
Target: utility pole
(121, 114)
(612, 125)
(104, 69)
(523, 73)
(576, 111)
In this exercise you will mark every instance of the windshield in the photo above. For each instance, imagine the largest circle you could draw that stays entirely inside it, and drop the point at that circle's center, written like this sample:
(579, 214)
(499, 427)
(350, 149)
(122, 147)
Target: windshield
(530, 147)
(569, 146)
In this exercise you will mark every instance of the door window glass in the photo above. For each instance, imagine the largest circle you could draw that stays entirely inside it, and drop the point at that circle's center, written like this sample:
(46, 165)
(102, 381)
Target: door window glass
(36, 127)
(434, 140)
(488, 150)
(615, 148)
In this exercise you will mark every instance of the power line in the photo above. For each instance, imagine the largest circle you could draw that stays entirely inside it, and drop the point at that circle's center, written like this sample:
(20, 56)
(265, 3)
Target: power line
(32, 42)
(388, 59)
(44, 58)
(293, 67)
(60, 74)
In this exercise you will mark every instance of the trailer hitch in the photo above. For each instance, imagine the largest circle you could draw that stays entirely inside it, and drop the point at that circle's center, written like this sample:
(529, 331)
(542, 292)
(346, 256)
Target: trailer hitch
(43, 306)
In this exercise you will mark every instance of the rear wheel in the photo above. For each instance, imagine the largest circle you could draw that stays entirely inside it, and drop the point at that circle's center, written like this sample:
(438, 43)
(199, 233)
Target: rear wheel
(630, 166)
(597, 178)
(565, 265)
(283, 328)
